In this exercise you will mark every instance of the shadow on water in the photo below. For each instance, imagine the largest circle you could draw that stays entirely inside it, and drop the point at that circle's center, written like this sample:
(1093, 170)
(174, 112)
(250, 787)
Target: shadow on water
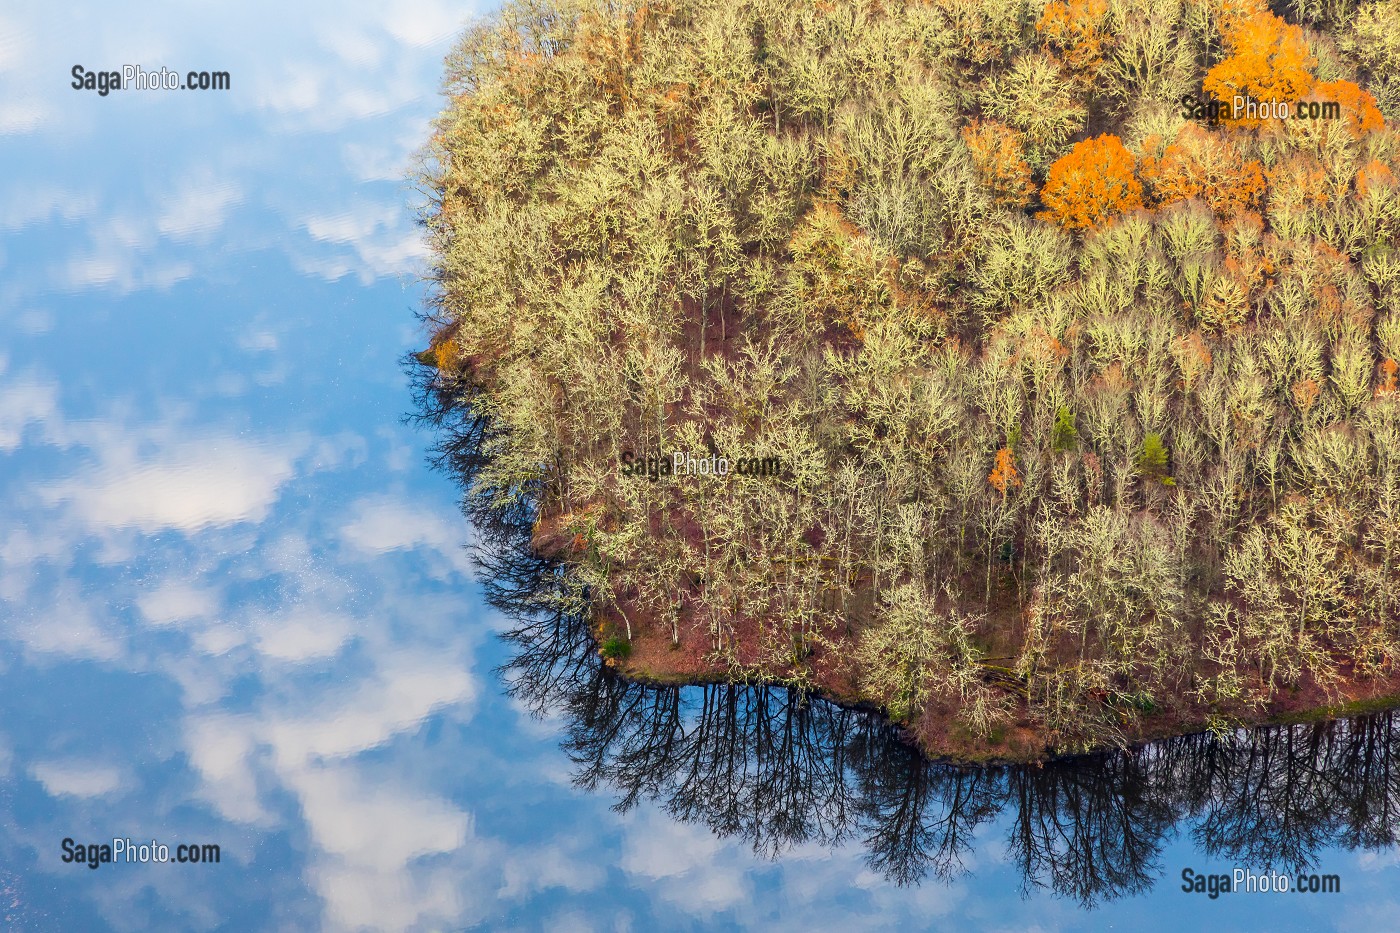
(777, 768)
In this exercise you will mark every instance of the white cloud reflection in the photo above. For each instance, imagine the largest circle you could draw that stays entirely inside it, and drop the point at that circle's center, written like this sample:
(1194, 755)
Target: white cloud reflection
(285, 640)
(177, 549)
(185, 485)
(366, 877)
(43, 203)
(25, 401)
(177, 602)
(77, 778)
(316, 89)
(198, 206)
(383, 853)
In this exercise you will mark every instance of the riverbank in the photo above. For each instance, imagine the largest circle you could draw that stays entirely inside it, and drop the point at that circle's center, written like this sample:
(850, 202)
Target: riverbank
(653, 660)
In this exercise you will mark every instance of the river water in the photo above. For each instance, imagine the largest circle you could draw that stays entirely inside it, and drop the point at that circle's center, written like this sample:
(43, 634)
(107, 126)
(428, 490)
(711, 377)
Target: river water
(236, 605)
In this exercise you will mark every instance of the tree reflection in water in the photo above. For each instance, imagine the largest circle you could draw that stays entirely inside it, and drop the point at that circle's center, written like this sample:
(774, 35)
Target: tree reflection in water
(777, 768)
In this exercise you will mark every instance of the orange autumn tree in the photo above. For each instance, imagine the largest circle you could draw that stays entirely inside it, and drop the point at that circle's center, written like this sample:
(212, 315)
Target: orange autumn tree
(1075, 29)
(1359, 111)
(999, 158)
(1388, 370)
(1193, 358)
(1090, 184)
(1208, 166)
(1004, 477)
(1305, 394)
(1268, 61)
(1374, 176)
(1249, 252)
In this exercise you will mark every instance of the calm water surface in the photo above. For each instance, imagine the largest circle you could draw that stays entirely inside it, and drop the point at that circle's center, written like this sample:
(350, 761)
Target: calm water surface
(235, 604)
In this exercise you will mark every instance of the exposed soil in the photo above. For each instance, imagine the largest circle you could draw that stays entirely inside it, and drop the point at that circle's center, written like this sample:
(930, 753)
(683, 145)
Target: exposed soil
(653, 658)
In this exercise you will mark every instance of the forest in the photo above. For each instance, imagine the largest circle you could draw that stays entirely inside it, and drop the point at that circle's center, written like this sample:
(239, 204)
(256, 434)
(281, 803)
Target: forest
(1074, 327)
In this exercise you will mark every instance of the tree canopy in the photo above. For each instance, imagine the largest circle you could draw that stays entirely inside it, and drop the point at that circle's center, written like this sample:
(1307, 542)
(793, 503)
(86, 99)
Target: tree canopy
(1084, 402)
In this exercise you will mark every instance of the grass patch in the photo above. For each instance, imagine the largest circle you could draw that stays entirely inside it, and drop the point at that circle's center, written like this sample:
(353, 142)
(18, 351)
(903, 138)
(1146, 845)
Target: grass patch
(616, 649)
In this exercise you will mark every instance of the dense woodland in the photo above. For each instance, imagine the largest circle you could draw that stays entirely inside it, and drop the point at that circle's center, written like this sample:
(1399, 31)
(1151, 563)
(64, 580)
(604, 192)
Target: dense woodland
(1089, 405)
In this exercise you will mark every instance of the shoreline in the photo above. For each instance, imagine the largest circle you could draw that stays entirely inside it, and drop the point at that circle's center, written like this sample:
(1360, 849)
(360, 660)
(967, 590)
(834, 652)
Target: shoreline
(1347, 709)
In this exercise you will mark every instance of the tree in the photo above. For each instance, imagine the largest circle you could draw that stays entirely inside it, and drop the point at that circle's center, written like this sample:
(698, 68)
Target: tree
(1075, 29)
(1092, 183)
(1359, 111)
(999, 157)
(1151, 459)
(1372, 44)
(1206, 165)
(1037, 98)
(1193, 358)
(1388, 371)
(1375, 176)
(917, 651)
(1305, 393)
(1004, 477)
(1268, 63)
(1063, 436)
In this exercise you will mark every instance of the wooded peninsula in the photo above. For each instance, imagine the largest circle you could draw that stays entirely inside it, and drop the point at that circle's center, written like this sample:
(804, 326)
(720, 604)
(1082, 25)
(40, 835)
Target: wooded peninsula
(1026, 370)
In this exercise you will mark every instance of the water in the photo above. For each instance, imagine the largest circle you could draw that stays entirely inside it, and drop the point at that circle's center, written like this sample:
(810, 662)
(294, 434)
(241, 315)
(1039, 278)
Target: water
(235, 607)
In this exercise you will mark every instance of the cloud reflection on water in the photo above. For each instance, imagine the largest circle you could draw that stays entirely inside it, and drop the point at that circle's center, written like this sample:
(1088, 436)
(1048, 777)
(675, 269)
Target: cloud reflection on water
(300, 644)
(184, 485)
(311, 624)
(140, 181)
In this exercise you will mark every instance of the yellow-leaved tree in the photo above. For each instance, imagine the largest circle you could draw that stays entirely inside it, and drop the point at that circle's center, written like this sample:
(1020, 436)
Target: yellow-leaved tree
(1000, 159)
